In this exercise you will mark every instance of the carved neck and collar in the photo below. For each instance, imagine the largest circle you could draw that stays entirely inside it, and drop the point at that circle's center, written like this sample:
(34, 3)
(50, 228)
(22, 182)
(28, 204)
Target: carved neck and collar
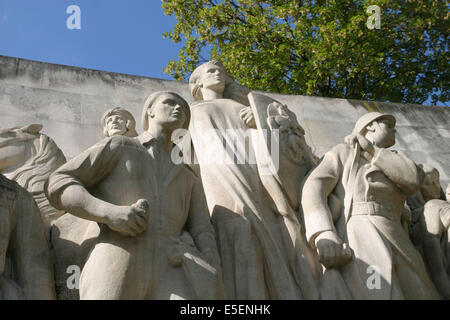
(162, 139)
(209, 94)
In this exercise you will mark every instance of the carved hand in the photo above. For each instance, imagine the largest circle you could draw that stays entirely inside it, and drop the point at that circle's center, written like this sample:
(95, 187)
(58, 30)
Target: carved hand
(212, 258)
(332, 253)
(246, 115)
(174, 256)
(367, 146)
(368, 149)
(129, 220)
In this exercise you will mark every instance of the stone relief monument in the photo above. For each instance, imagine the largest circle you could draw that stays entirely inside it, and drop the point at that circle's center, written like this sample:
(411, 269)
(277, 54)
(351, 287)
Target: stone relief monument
(252, 249)
(26, 270)
(156, 241)
(282, 171)
(253, 210)
(366, 233)
(253, 213)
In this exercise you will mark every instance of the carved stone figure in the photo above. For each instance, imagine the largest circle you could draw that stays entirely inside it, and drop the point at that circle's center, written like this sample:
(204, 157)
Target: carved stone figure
(429, 190)
(436, 245)
(258, 255)
(156, 240)
(372, 183)
(118, 121)
(72, 237)
(284, 160)
(430, 230)
(26, 270)
(29, 157)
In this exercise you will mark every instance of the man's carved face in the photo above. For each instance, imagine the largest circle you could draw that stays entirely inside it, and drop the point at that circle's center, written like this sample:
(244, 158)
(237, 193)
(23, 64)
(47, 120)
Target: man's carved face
(213, 78)
(431, 188)
(383, 134)
(447, 193)
(168, 110)
(116, 125)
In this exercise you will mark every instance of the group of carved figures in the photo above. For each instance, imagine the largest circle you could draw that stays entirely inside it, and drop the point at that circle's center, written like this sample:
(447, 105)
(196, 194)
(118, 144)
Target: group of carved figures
(363, 222)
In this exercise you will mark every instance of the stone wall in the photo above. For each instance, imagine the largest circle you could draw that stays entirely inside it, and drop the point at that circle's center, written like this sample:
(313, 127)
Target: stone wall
(69, 102)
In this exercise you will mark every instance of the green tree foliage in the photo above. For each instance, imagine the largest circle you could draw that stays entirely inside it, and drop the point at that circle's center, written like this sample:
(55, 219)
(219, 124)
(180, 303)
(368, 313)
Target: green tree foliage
(319, 47)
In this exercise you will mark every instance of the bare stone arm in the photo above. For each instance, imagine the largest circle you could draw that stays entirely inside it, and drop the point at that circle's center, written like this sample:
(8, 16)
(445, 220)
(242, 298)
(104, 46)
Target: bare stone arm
(68, 185)
(127, 220)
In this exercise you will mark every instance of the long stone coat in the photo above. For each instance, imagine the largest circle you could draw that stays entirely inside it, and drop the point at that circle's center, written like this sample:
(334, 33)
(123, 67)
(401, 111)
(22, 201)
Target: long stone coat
(368, 218)
(122, 170)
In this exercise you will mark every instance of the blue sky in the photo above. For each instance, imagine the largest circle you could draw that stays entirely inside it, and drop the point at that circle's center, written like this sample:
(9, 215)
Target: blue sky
(115, 35)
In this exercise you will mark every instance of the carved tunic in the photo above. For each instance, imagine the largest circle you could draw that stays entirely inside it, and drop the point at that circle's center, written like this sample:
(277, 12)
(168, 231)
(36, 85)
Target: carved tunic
(26, 270)
(122, 170)
(369, 220)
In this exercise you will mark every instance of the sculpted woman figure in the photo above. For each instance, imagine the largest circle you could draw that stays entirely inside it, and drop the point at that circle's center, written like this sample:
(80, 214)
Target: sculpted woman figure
(250, 238)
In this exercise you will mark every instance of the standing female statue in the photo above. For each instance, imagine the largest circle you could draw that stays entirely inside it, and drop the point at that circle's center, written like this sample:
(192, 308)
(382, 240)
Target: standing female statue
(250, 235)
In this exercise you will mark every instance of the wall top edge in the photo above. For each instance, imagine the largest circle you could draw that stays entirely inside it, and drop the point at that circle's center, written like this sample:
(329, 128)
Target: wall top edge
(131, 76)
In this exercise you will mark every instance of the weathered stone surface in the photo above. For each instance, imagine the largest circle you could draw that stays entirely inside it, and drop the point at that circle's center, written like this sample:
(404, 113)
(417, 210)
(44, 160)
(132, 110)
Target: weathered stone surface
(369, 231)
(155, 239)
(26, 270)
(29, 157)
(262, 248)
(118, 121)
(430, 215)
(326, 121)
(70, 103)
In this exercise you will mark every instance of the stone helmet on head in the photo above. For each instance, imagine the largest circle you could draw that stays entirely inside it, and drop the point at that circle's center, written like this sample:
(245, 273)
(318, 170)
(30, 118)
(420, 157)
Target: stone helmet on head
(370, 117)
(125, 115)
